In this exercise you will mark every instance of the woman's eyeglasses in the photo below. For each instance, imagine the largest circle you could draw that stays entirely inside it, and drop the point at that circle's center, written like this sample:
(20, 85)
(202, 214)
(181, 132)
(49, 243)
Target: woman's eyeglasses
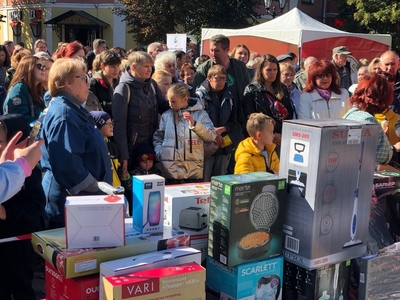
(216, 78)
(111, 124)
(84, 76)
(322, 76)
(41, 67)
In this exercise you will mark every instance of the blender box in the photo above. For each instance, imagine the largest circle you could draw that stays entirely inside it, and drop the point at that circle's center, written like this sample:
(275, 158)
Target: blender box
(146, 261)
(148, 204)
(325, 283)
(246, 215)
(329, 166)
(255, 280)
(51, 245)
(379, 274)
(81, 288)
(183, 282)
(187, 208)
(94, 221)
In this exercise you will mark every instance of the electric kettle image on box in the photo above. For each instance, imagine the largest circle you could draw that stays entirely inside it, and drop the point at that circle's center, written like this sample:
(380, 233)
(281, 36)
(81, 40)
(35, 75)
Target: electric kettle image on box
(193, 218)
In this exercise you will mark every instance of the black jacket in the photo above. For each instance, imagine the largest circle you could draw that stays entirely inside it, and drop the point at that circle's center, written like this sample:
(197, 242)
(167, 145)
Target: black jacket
(222, 112)
(255, 100)
(136, 122)
(102, 89)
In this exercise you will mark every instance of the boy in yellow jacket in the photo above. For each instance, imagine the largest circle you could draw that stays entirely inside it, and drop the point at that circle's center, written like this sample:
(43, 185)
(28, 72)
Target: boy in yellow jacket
(257, 152)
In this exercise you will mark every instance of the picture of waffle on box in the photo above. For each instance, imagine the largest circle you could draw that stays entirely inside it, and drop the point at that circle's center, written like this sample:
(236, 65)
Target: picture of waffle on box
(263, 213)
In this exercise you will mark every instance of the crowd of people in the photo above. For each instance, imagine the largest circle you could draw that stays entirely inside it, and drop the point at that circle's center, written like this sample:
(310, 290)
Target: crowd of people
(105, 114)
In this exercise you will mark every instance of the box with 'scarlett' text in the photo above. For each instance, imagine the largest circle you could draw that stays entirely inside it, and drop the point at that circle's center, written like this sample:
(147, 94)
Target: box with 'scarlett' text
(186, 281)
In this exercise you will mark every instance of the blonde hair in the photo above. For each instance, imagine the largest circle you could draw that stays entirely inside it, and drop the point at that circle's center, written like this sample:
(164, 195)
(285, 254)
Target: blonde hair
(180, 90)
(256, 122)
(159, 75)
(62, 70)
(214, 70)
(139, 58)
(124, 64)
(287, 66)
(373, 62)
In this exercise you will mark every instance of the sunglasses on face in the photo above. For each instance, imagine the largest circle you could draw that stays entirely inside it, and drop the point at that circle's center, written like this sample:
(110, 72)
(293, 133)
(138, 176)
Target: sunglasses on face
(84, 76)
(322, 76)
(114, 55)
(41, 67)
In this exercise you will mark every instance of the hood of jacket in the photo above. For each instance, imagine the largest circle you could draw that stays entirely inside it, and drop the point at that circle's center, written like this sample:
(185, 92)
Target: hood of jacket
(134, 82)
(256, 86)
(194, 104)
(204, 91)
(14, 123)
(98, 75)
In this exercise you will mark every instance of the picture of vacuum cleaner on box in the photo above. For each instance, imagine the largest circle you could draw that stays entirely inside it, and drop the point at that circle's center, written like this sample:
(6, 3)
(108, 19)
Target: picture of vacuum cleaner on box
(353, 225)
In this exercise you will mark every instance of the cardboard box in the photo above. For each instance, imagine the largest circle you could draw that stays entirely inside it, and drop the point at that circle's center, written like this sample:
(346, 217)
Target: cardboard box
(60, 288)
(379, 274)
(152, 260)
(256, 280)
(246, 215)
(187, 208)
(385, 184)
(329, 166)
(327, 282)
(51, 245)
(185, 281)
(94, 221)
(148, 204)
(201, 245)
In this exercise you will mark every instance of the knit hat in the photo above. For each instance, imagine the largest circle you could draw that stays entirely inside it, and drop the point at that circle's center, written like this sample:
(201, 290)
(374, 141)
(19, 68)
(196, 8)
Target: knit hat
(100, 117)
(144, 152)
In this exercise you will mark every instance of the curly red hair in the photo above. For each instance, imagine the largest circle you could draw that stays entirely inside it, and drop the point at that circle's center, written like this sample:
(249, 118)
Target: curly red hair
(322, 67)
(373, 94)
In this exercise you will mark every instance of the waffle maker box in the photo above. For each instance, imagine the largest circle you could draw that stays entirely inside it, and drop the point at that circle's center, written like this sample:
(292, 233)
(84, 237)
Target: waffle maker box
(326, 282)
(246, 215)
(329, 167)
(187, 208)
(255, 280)
(148, 203)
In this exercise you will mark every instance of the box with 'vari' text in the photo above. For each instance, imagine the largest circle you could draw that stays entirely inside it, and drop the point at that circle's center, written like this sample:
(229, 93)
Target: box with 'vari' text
(329, 166)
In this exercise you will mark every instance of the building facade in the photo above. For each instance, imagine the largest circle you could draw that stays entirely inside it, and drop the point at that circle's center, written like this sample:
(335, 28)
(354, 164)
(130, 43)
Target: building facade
(63, 21)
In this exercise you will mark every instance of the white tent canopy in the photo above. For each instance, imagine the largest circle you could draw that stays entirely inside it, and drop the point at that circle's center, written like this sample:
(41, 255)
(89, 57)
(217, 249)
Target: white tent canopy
(294, 27)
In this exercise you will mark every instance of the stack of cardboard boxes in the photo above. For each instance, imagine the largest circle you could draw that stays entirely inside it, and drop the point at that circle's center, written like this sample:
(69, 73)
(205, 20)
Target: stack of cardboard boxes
(329, 166)
(97, 232)
(245, 237)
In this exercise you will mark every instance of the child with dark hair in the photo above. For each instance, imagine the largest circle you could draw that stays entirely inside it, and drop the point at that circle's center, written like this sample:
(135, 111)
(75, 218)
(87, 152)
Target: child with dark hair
(19, 215)
(145, 160)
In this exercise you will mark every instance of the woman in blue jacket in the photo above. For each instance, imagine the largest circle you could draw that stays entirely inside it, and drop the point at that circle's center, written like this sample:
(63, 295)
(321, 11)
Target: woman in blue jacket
(75, 156)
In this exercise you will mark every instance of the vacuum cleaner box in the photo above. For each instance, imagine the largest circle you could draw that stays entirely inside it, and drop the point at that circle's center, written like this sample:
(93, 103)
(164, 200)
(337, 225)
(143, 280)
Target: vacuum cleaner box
(94, 221)
(51, 245)
(148, 204)
(148, 261)
(180, 282)
(246, 215)
(329, 167)
(187, 207)
(256, 280)
(379, 274)
(80, 288)
(324, 283)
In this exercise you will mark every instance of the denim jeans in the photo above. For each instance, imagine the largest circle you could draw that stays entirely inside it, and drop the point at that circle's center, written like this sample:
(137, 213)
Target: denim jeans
(215, 166)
